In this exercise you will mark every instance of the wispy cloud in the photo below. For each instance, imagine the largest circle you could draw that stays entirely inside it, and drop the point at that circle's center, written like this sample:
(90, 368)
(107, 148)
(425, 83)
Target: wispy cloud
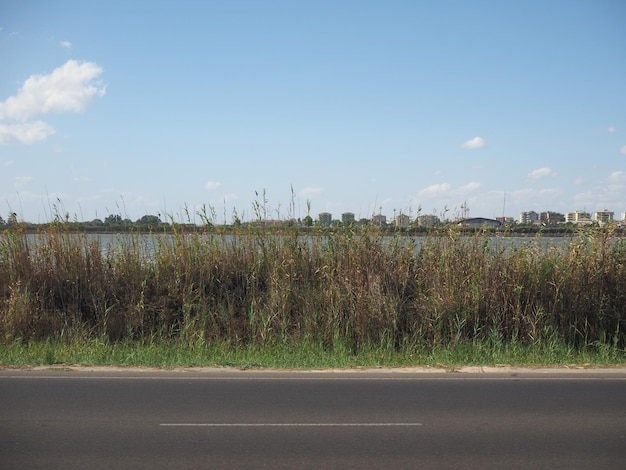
(475, 143)
(65, 44)
(435, 190)
(445, 189)
(469, 187)
(212, 185)
(540, 173)
(623, 150)
(21, 181)
(611, 130)
(68, 88)
(617, 180)
(25, 132)
(310, 192)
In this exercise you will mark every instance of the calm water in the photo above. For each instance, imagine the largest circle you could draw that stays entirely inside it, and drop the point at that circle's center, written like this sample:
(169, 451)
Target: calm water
(148, 244)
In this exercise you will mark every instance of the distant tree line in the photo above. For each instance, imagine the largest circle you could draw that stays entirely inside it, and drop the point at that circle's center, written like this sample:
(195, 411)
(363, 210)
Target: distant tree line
(111, 223)
(153, 223)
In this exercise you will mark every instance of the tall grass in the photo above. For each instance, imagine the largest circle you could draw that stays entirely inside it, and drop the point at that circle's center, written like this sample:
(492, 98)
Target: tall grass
(254, 287)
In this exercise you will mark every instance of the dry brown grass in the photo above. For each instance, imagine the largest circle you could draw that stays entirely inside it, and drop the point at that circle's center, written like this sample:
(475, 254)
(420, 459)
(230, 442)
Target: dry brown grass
(253, 286)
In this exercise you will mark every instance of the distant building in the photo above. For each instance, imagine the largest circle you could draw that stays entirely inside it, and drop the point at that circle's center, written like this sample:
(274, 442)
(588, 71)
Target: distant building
(427, 221)
(478, 222)
(402, 221)
(326, 218)
(551, 218)
(379, 219)
(347, 218)
(505, 220)
(603, 216)
(272, 223)
(528, 217)
(578, 217)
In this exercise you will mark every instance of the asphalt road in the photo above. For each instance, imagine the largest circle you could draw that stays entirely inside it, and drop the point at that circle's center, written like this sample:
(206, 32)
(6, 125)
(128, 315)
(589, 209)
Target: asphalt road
(230, 419)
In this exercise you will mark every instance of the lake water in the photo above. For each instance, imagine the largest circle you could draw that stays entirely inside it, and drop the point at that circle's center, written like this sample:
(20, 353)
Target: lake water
(148, 244)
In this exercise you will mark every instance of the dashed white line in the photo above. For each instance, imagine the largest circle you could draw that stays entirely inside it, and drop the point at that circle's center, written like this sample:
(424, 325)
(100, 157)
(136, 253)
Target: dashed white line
(284, 425)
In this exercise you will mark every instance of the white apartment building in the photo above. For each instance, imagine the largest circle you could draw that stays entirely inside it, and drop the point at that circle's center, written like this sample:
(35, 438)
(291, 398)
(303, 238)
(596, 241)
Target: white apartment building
(603, 216)
(578, 217)
(528, 217)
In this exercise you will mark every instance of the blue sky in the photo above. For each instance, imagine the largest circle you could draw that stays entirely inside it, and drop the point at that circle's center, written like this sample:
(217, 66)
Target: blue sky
(163, 107)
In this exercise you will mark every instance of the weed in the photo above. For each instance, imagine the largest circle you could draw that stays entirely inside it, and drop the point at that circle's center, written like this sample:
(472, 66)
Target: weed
(347, 290)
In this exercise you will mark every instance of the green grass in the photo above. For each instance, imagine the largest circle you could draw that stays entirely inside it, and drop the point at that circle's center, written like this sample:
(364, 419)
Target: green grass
(306, 355)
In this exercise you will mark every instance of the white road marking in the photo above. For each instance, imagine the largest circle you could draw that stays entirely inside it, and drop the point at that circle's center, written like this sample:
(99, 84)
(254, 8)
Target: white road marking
(284, 425)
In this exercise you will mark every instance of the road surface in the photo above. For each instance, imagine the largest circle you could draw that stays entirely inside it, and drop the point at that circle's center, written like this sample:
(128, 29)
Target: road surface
(78, 419)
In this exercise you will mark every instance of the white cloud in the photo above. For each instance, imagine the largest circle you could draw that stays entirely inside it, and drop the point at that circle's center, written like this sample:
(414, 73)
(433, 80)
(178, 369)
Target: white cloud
(310, 192)
(528, 193)
(21, 181)
(68, 88)
(230, 197)
(212, 185)
(623, 150)
(472, 186)
(611, 130)
(439, 190)
(475, 143)
(435, 190)
(65, 44)
(540, 173)
(608, 193)
(25, 133)
(617, 180)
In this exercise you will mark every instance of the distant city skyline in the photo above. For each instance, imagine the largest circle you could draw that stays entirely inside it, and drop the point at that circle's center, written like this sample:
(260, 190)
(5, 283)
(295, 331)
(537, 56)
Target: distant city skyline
(605, 214)
(138, 108)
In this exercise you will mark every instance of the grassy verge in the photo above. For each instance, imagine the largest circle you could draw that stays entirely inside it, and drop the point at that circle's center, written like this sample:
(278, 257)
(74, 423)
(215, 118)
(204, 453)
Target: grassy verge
(341, 298)
(307, 355)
